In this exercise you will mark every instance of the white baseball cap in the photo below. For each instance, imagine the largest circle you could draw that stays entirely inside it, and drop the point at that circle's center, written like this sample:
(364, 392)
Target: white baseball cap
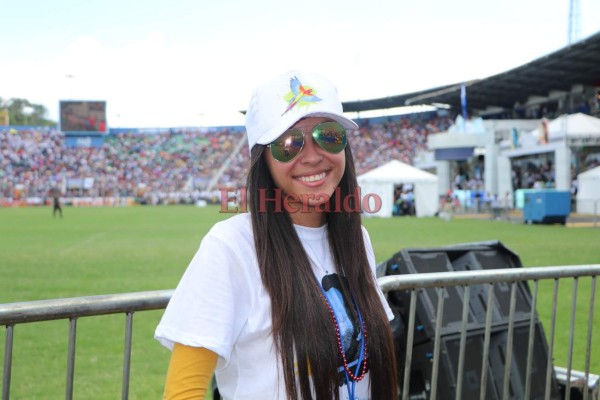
(280, 103)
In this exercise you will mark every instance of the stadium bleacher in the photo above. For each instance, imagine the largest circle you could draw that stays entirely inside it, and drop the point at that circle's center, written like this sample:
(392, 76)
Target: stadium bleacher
(154, 166)
(180, 165)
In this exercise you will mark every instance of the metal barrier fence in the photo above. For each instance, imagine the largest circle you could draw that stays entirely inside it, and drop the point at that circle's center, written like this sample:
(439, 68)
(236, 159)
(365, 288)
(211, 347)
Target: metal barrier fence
(74, 308)
(467, 279)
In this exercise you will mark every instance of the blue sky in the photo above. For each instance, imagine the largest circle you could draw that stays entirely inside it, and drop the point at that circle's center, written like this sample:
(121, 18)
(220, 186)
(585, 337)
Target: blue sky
(190, 63)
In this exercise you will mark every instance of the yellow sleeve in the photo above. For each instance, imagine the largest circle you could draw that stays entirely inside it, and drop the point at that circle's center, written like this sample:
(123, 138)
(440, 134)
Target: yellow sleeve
(190, 372)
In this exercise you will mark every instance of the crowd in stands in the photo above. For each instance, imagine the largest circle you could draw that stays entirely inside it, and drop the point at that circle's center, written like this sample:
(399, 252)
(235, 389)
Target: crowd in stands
(153, 166)
(469, 175)
(395, 138)
(533, 175)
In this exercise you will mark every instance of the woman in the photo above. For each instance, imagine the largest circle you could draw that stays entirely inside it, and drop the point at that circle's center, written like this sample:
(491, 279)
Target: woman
(282, 302)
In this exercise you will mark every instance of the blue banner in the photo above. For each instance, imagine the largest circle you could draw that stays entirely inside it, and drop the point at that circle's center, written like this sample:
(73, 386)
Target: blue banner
(84, 141)
(463, 100)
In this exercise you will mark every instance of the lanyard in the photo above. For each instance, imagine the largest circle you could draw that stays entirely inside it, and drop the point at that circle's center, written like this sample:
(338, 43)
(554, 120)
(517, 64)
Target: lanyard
(350, 383)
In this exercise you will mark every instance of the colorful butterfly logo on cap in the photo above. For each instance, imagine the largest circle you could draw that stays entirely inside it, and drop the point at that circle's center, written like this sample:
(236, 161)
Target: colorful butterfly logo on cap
(299, 94)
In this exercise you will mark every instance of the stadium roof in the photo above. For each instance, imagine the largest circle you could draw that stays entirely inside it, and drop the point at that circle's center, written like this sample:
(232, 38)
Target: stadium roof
(576, 64)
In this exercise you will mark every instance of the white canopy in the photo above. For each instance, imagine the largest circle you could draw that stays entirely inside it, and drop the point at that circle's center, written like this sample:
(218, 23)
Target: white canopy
(381, 181)
(588, 193)
(571, 126)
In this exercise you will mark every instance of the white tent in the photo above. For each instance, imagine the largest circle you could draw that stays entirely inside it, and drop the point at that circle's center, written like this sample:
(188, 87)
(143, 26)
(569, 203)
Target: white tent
(382, 180)
(588, 193)
(572, 126)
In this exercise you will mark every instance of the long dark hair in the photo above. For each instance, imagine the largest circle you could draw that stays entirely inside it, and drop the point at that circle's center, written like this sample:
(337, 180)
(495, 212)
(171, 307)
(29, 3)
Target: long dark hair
(303, 330)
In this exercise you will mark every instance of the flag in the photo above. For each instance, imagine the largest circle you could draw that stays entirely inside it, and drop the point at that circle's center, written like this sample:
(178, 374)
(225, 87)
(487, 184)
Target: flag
(515, 138)
(463, 100)
(543, 137)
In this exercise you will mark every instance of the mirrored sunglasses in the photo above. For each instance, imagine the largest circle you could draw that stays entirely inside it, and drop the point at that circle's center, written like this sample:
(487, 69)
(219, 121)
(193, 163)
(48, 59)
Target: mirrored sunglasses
(330, 136)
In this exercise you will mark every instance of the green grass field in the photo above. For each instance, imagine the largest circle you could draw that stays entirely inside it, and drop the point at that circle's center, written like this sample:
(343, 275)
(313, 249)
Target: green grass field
(95, 251)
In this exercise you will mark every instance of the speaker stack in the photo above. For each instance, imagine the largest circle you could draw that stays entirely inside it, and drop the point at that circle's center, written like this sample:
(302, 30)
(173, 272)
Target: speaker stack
(467, 257)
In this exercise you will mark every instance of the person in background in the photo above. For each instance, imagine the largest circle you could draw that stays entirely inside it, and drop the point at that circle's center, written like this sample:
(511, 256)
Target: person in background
(56, 207)
(282, 302)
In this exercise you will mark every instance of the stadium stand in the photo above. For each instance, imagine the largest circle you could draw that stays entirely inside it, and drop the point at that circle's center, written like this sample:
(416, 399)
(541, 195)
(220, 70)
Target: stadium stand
(563, 82)
(173, 166)
(184, 165)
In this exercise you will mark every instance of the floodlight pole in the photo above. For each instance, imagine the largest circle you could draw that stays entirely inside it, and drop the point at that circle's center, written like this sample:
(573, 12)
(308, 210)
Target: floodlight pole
(70, 77)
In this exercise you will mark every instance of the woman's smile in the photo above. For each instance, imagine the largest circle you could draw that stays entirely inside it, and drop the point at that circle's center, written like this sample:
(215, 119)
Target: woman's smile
(315, 178)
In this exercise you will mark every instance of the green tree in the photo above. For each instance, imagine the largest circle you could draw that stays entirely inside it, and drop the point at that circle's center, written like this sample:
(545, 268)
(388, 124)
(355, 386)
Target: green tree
(23, 112)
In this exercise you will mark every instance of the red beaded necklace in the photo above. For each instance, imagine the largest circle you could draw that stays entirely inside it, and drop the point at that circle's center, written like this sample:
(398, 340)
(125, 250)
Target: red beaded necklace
(339, 342)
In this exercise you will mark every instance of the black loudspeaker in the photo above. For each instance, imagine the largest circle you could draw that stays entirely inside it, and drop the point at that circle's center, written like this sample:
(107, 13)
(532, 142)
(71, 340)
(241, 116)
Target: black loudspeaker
(496, 257)
(467, 257)
(411, 262)
(421, 370)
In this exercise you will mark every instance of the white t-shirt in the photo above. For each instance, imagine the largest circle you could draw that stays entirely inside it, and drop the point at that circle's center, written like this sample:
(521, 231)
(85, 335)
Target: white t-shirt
(221, 304)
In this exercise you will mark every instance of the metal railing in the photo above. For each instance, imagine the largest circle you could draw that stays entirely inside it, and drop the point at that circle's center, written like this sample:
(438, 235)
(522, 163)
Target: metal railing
(74, 308)
(415, 282)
